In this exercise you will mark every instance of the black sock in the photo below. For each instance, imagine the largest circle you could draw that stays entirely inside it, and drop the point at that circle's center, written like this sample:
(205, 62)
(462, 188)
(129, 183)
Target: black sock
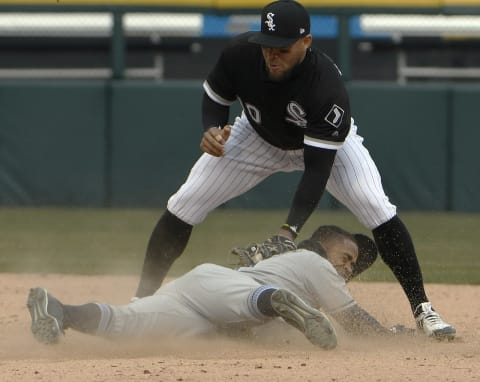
(167, 242)
(83, 318)
(264, 303)
(396, 248)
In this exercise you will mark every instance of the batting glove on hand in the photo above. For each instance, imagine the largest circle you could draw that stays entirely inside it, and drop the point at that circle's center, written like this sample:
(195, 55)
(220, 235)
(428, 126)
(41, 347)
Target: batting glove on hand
(253, 253)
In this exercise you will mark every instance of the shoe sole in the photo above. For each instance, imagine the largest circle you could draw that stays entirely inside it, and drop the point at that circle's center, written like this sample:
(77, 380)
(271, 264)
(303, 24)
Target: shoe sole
(44, 327)
(447, 333)
(314, 324)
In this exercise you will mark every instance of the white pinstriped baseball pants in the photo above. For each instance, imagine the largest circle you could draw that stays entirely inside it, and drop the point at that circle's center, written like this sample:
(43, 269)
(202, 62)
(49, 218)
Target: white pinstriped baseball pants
(354, 180)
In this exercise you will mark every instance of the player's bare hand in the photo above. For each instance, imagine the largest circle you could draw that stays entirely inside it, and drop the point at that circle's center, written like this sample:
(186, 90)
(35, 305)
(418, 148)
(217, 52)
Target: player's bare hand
(214, 139)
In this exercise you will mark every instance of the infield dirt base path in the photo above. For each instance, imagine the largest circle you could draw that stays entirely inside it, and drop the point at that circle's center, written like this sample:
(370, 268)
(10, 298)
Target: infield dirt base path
(280, 356)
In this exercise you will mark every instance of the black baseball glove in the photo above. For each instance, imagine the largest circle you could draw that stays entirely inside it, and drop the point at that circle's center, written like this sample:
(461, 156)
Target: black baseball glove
(255, 252)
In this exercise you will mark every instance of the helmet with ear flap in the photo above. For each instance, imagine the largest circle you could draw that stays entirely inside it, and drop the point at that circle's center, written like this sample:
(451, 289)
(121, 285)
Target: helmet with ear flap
(367, 254)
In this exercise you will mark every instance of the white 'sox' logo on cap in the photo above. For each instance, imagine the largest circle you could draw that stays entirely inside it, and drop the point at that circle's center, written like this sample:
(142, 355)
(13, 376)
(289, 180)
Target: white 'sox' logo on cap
(269, 21)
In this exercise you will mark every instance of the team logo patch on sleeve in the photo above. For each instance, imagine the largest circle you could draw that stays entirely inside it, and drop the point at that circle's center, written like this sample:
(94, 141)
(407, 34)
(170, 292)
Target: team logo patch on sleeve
(335, 116)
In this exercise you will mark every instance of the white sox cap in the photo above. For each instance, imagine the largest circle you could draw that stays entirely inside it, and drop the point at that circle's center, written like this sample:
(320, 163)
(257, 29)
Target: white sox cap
(283, 23)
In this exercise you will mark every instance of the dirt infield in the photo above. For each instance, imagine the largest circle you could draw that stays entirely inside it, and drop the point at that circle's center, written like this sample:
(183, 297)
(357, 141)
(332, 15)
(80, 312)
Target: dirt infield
(280, 356)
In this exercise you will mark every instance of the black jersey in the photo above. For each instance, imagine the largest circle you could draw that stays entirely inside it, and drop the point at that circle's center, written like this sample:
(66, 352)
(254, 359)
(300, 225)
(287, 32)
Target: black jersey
(310, 107)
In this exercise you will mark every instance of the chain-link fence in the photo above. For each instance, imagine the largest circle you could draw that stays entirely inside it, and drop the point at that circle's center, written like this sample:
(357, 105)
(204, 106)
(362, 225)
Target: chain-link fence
(163, 45)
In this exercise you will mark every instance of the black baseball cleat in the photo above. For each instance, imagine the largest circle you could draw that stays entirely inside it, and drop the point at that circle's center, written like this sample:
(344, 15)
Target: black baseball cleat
(47, 316)
(314, 324)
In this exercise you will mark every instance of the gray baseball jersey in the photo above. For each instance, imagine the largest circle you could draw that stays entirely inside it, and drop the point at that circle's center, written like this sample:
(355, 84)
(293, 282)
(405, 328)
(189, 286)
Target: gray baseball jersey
(212, 296)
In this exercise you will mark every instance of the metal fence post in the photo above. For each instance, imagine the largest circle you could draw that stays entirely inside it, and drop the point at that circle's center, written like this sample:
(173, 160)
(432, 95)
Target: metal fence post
(344, 46)
(118, 45)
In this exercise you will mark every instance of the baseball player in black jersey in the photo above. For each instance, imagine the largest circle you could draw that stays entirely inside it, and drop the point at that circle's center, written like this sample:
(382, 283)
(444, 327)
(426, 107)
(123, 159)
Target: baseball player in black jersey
(296, 117)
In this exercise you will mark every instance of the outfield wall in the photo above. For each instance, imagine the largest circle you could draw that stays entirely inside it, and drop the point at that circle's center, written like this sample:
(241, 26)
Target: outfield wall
(132, 143)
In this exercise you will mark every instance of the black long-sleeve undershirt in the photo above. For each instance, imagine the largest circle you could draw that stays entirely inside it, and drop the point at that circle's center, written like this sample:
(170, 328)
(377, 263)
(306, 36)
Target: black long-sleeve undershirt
(318, 164)
(213, 114)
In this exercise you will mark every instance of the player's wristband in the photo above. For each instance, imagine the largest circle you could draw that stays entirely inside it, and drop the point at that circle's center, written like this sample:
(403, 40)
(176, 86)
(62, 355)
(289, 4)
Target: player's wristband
(290, 229)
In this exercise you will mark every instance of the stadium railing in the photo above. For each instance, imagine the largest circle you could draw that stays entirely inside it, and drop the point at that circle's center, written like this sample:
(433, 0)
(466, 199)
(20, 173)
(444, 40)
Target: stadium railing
(343, 20)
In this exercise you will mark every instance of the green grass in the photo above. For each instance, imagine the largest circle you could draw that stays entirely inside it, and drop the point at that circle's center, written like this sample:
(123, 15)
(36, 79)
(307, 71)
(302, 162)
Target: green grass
(113, 241)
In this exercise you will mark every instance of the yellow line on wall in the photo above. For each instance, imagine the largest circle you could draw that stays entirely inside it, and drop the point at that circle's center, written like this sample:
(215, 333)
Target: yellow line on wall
(337, 3)
(226, 4)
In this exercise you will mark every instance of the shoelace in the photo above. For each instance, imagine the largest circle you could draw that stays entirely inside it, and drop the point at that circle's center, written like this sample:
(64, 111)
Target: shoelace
(433, 318)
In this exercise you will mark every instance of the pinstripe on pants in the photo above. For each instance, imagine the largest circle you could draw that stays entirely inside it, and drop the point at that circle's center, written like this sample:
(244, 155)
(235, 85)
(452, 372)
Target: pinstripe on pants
(354, 180)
